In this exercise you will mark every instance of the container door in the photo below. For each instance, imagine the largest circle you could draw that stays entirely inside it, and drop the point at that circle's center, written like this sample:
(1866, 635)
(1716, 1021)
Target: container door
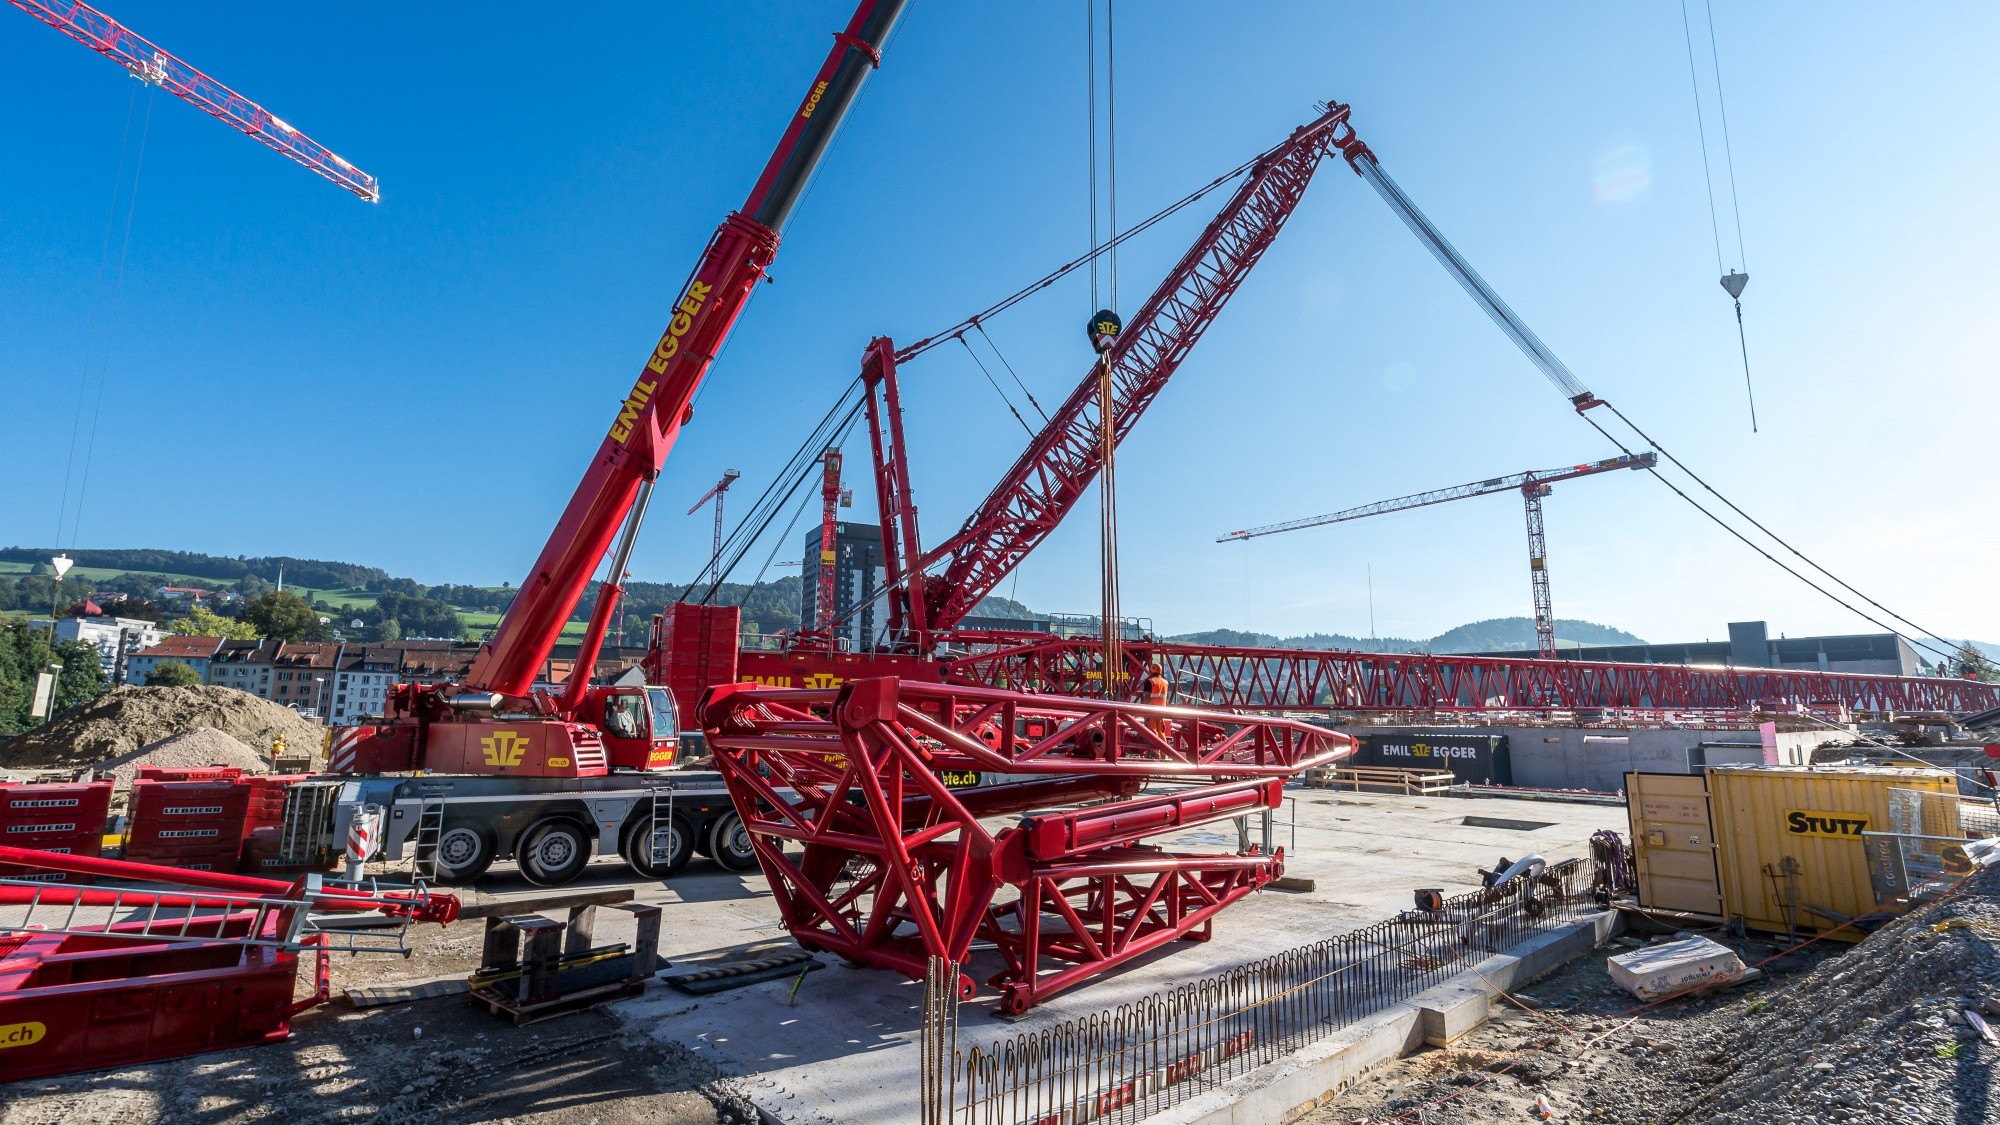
(1673, 842)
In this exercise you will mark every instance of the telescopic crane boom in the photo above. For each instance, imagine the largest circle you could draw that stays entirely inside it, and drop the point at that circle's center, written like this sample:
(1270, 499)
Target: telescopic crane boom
(659, 404)
(495, 721)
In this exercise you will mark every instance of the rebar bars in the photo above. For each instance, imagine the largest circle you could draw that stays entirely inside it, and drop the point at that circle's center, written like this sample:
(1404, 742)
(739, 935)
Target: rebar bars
(1123, 1064)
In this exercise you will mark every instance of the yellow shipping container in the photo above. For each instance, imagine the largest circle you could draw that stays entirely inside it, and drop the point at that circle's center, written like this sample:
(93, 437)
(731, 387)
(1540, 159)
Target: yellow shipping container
(1789, 848)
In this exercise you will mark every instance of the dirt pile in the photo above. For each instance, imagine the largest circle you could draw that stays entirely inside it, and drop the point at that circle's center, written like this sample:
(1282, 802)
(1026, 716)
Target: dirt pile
(202, 746)
(112, 729)
(1837, 1035)
(1876, 1035)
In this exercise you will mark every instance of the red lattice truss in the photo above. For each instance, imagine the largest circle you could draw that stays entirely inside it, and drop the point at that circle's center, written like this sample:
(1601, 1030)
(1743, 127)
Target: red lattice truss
(893, 865)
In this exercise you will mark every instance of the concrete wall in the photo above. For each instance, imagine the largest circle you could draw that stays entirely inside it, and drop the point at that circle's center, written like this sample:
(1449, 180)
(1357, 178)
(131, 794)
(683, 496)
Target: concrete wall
(1598, 758)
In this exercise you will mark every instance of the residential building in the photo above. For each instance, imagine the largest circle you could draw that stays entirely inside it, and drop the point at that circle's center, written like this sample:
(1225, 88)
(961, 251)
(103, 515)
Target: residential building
(361, 681)
(191, 651)
(435, 662)
(115, 638)
(245, 666)
(302, 676)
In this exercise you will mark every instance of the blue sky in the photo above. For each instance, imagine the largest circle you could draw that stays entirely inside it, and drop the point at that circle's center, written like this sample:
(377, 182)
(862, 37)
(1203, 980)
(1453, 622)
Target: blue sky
(418, 384)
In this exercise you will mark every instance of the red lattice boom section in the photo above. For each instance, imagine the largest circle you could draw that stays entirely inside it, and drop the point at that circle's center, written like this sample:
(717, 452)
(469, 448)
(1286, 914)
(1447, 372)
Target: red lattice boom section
(894, 865)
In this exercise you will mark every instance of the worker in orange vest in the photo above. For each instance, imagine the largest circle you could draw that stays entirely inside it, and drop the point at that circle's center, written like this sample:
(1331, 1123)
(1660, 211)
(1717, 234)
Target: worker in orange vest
(1158, 691)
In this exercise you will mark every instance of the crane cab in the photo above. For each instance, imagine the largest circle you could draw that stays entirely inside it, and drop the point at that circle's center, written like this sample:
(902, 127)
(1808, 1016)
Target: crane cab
(641, 729)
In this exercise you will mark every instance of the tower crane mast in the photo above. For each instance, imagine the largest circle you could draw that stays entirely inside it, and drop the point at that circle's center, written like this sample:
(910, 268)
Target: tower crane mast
(1533, 486)
(156, 67)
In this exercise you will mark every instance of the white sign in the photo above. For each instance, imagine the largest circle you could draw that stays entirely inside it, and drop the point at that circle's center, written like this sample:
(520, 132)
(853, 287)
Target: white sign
(62, 563)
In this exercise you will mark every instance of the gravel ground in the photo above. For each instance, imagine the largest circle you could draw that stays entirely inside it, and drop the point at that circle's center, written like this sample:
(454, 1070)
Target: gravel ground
(123, 720)
(1835, 1034)
(369, 1066)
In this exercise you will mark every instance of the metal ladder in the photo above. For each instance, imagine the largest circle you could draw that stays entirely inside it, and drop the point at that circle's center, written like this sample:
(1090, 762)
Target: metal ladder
(307, 819)
(660, 822)
(430, 830)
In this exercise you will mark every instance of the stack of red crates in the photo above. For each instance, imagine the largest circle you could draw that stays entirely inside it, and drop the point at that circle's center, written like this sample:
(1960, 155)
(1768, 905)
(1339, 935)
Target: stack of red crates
(189, 818)
(64, 816)
(699, 646)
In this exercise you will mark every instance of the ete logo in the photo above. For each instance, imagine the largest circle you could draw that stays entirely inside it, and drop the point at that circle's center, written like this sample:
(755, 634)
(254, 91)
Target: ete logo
(503, 748)
(1840, 826)
(21, 1034)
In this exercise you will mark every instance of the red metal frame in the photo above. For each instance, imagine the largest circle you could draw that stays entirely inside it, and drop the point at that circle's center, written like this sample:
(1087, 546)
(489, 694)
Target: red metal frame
(204, 962)
(1050, 477)
(897, 867)
(1308, 680)
(149, 63)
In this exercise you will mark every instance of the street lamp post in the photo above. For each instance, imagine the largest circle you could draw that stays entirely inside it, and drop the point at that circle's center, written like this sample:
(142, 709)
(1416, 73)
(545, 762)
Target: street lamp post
(319, 700)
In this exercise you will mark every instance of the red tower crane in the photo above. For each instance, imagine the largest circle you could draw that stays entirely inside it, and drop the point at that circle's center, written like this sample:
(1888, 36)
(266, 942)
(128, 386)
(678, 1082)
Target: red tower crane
(154, 66)
(829, 536)
(1533, 486)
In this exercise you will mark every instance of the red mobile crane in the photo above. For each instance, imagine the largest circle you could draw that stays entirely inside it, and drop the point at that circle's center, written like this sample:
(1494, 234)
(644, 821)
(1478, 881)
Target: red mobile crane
(496, 727)
(1533, 486)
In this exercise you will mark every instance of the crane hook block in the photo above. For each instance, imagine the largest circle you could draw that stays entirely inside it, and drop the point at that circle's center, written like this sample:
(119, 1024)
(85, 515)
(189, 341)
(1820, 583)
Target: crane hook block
(1103, 329)
(1734, 283)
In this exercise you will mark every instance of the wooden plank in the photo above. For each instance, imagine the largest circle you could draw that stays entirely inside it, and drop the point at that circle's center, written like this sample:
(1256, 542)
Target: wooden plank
(535, 902)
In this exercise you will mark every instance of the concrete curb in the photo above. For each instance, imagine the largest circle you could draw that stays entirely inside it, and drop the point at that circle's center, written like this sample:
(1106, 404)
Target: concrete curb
(1294, 1086)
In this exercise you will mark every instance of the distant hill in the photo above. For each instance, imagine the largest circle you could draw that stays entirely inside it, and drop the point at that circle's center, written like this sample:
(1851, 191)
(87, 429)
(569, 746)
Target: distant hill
(1508, 634)
(767, 606)
(1500, 634)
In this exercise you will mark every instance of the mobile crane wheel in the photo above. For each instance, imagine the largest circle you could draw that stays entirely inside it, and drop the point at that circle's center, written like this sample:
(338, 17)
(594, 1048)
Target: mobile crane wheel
(463, 853)
(552, 852)
(659, 849)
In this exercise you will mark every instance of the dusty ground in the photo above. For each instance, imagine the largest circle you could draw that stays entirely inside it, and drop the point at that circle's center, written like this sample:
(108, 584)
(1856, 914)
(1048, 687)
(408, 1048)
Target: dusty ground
(369, 1066)
(1836, 1034)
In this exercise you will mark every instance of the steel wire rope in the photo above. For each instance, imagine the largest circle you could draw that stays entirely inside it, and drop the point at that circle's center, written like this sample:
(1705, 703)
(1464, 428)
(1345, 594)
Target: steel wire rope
(111, 324)
(1087, 258)
(96, 303)
(995, 384)
(1775, 560)
(753, 525)
(1002, 357)
(1565, 381)
(779, 492)
(1775, 537)
(1728, 153)
(1701, 129)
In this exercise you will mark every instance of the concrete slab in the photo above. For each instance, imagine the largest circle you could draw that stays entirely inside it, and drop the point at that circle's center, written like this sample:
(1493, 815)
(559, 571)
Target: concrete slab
(845, 1048)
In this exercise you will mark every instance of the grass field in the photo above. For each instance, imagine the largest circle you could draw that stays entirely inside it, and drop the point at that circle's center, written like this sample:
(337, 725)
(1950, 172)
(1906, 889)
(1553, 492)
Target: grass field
(352, 600)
